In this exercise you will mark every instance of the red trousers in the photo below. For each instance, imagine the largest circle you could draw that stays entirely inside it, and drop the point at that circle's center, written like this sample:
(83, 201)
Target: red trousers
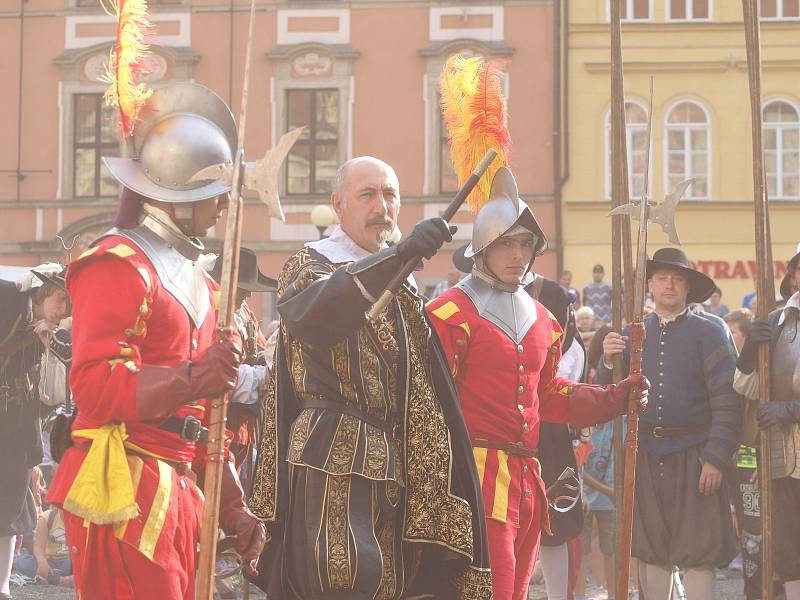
(513, 549)
(105, 567)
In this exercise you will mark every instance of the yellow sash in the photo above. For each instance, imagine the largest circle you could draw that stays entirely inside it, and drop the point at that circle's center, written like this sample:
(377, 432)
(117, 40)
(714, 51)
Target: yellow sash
(102, 492)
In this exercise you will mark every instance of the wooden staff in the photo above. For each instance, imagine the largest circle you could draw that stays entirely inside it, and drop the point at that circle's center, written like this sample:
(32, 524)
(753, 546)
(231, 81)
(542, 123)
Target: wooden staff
(765, 285)
(397, 281)
(620, 243)
(219, 405)
(636, 334)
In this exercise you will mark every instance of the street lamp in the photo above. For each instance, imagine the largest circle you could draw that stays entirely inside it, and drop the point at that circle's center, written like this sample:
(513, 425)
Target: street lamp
(322, 217)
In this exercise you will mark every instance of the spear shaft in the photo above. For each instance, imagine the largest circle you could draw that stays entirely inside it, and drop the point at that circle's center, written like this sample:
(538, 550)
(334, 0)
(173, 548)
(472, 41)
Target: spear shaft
(620, 226)
(218, 408)
(765, 285)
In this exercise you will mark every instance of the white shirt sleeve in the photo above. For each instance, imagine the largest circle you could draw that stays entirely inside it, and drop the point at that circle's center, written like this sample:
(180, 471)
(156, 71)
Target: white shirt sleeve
(251, 378)
(746, 384)
(52, 380)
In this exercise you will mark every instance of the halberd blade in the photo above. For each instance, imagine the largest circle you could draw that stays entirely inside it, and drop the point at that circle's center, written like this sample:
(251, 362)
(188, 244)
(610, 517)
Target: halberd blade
(262, 176)
(664, 213)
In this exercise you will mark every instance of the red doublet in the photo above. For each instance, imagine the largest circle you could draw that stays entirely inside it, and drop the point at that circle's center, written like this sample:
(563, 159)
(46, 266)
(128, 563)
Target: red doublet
(505, 390)
(123, 317)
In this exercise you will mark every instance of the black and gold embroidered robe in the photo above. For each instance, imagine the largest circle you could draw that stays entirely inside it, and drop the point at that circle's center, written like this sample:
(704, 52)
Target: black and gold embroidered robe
(365, 473)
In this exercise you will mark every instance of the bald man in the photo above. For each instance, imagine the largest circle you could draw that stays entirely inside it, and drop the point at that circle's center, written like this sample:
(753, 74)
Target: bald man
(366, 477)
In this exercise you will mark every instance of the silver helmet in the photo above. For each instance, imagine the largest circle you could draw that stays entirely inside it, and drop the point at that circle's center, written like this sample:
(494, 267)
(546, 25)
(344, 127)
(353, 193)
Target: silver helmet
(185, 127)
(503, 211)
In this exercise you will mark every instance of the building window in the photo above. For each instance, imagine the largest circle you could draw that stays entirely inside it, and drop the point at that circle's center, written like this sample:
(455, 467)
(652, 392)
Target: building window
(448, 179)
(780, 9)
(688, 10)
(314, 159)
(636, 145)
(687, 156)
(95, 136)
(782, 150)
(631, 10)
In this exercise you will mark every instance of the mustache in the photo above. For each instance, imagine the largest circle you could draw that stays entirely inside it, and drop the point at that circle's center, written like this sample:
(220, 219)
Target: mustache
(379, 221)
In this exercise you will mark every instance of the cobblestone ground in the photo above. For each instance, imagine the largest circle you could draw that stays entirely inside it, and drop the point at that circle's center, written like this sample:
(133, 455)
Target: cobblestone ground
(729, 588)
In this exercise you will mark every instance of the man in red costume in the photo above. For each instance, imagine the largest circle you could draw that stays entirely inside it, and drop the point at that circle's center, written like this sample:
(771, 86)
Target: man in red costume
(146, 358)
(504, 348)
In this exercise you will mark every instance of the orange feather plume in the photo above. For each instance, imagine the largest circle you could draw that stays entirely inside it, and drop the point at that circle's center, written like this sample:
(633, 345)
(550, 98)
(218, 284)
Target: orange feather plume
(127, 63)
(474, 111)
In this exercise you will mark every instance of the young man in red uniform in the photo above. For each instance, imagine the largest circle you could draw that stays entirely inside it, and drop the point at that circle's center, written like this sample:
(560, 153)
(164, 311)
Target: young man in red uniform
(504, 348)
(145, 359)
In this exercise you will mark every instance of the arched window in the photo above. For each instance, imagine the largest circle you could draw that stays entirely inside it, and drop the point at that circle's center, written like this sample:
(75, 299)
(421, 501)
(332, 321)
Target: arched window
(782, 150)
(687, 155)
(636, 144)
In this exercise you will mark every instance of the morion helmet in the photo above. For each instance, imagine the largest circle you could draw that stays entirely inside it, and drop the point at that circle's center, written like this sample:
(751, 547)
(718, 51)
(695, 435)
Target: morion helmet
(503, 211)
(184, 127)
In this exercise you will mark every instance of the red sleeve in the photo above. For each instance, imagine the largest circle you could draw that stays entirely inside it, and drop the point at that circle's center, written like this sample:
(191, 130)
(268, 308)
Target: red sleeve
(111, 302)
(453, 330)
(553, 390)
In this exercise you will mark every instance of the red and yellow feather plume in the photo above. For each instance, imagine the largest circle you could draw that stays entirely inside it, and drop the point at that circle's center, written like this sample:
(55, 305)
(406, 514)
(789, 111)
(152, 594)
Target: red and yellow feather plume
(127, 63)
(474, 111)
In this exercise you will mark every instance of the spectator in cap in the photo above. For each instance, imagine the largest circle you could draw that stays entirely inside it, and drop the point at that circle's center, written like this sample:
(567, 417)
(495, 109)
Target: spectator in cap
(597, 295)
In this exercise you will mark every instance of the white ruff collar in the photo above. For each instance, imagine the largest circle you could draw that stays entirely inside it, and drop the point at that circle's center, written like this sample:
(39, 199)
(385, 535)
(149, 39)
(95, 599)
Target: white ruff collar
(340, 248)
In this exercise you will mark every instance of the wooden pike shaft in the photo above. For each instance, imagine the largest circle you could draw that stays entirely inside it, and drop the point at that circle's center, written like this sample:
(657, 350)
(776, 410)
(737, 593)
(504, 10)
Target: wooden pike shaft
(620, 248)
(215, 451)
(765, 285)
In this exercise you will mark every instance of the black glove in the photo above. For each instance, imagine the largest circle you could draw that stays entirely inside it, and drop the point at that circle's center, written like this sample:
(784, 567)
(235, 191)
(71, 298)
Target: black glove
(778, 413)
(425, 239)
(760, 333)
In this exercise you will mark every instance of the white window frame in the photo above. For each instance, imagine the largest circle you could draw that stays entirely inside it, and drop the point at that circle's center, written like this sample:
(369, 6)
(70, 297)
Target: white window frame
(779, 14)
(687, 130)
(780, 127)
(629, 11)
(690, 18)
(628, 145)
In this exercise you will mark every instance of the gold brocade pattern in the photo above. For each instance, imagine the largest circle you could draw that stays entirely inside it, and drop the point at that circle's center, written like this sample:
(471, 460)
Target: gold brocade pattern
(263, 501)
(343, 450)
(370, 368)
(432, 513)
(376, 459)
(337, 533)
(386, 543)
(298, 436)
(341, 366)
(474, 584)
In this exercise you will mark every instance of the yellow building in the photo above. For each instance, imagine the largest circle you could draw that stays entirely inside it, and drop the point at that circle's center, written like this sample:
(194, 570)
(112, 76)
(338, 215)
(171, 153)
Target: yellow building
(695, 50)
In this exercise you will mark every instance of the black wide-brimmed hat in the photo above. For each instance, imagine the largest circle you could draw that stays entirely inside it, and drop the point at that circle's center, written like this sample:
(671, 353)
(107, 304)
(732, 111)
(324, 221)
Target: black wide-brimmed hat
(787, 285)
(250, 278)
(461, 262)
(58, 279)
(700, 286)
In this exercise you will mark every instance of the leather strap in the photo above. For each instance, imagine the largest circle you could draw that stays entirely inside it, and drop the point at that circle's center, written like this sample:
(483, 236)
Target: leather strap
(189, 428)
(665, 432)
(346, 409)
(516, 449)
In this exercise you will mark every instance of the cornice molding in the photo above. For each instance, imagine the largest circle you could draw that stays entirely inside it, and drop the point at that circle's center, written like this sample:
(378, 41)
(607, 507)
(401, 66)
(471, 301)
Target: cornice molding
(707, 66)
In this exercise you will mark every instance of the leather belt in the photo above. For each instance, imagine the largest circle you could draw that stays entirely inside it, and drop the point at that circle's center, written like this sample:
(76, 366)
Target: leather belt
(665, 432)
(346, 409)
(516, 449)
(189, 428)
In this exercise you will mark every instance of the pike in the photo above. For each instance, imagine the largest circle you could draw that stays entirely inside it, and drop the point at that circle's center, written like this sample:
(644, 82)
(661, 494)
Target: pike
(261, 177)
(664, 215)
(765, 285)
(621, 258)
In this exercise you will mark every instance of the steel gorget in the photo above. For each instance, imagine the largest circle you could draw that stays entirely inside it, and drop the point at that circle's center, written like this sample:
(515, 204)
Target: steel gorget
(174, 258)
(514, 312)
